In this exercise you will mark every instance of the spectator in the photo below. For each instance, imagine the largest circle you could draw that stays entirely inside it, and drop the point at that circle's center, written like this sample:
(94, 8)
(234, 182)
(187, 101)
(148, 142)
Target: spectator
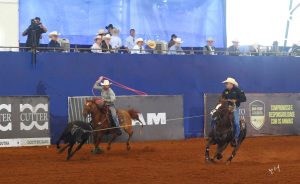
(130, 40)
(254, 49)
(295, 49)
(176, 48)
(109, 28)
(138, 48)
(150, 46)
(106, 47)
(96, 47)
(54, 45)
(171, 42)
(34, 32)
(234, 49)
(275, 51)
(101, 33)
(209, 48)
(116, 41)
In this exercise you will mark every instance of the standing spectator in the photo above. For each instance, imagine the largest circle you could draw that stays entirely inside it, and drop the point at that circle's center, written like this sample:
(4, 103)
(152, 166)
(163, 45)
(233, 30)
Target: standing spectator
(234, 49)
(34, 33)
(209, 48)
(130, 40)
(54, 45)
(116, 41)
(275, 51)
(96, 47)
(109, 28)
(138, 48)
(106, 47)
(172, 42)
(176, 48)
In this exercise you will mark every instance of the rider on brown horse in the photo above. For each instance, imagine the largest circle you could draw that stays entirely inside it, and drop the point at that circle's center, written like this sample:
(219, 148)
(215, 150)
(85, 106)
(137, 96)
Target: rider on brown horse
(109, 98)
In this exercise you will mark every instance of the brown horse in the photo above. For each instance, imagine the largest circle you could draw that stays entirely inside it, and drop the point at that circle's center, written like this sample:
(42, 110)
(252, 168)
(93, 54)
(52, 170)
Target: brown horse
(222, 133)
(102, 122)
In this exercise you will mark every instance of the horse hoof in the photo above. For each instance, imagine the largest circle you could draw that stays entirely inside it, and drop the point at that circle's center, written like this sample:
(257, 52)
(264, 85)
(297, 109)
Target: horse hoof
(97, 151)
(228, 162)
(209, 160)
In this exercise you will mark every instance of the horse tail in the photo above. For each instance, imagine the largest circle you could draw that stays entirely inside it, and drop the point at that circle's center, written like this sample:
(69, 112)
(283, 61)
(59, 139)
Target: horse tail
(135, 115)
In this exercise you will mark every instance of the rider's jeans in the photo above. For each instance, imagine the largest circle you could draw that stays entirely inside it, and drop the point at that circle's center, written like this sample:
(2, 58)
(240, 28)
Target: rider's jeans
(236, 122)
(114, 115)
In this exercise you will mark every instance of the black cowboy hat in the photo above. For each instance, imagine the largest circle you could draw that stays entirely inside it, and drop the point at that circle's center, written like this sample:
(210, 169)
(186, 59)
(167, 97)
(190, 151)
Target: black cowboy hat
(109, 26)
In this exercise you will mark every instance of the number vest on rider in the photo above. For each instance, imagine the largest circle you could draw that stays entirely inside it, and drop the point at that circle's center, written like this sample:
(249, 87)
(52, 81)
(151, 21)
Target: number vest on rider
(234, 94)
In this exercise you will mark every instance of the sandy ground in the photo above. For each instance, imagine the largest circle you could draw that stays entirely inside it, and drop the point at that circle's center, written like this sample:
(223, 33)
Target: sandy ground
(169, 162)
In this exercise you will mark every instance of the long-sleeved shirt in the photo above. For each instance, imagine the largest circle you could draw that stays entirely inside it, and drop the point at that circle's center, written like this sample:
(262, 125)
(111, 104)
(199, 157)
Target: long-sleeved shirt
(115, 42)
(234, 94)
(96, 48)
(175, 50)
(209, 50)
(108, 95)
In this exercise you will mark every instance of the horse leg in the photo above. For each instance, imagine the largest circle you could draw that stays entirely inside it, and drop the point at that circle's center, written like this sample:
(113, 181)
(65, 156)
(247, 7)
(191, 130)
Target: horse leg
(64, 148)
(70, 150)
(208, 144)
(130, 133)
(219, 151)
(112, 140)
(97, 140)
(228, 161)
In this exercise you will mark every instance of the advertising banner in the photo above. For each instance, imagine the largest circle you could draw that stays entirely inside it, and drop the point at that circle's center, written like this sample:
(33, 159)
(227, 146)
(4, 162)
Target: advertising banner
(265, 114)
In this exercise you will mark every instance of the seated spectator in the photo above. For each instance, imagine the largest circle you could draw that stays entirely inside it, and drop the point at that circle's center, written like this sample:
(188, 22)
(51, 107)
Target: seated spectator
(176, 48)
(234, 49)
(54, 45)
(101, 33)
(209, 48)
(106, 47)
(130, 40)
(295, 49)
(254, 49)
(171, 42)
(138, 48)
(116, 41)
(109, 28)
(96, 47)
(150, 46)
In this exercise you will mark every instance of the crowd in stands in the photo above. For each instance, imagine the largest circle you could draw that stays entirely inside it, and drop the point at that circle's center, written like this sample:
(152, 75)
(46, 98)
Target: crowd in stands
(108, 41)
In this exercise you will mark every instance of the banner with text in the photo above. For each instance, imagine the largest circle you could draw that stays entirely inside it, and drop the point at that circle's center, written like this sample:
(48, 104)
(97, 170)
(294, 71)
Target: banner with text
(161, 115)
(24, 121)
(265, 114)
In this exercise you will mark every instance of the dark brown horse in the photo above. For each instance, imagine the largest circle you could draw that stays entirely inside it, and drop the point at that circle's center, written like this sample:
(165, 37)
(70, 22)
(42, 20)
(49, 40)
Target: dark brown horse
(102, 123)
(222, 133)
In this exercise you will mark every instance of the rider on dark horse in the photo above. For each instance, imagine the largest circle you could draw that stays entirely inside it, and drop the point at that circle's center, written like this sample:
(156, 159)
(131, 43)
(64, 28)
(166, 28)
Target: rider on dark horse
(109, 98)
(235, 96)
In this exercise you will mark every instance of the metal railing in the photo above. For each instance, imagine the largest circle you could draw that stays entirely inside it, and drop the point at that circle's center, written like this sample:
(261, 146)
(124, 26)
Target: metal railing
(186, 51)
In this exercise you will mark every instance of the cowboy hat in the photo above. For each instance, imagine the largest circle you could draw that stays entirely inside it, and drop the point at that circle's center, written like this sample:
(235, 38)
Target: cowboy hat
(210, 39)
(107, 36)
(101, 32)
(105, 83)
(139, 40)
(97, 37)
(235, 41)
(178, 40)
(232, 81)
(151, 44)
(53, 33)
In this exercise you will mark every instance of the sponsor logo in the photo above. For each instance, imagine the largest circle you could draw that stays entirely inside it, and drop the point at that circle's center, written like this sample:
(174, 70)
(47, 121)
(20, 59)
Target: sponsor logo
(34, 116)
(257, 114)
(152, 119)
(5, 117)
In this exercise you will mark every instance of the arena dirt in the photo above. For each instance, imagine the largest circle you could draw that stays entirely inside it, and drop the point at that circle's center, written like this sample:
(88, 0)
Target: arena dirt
(170, 162)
